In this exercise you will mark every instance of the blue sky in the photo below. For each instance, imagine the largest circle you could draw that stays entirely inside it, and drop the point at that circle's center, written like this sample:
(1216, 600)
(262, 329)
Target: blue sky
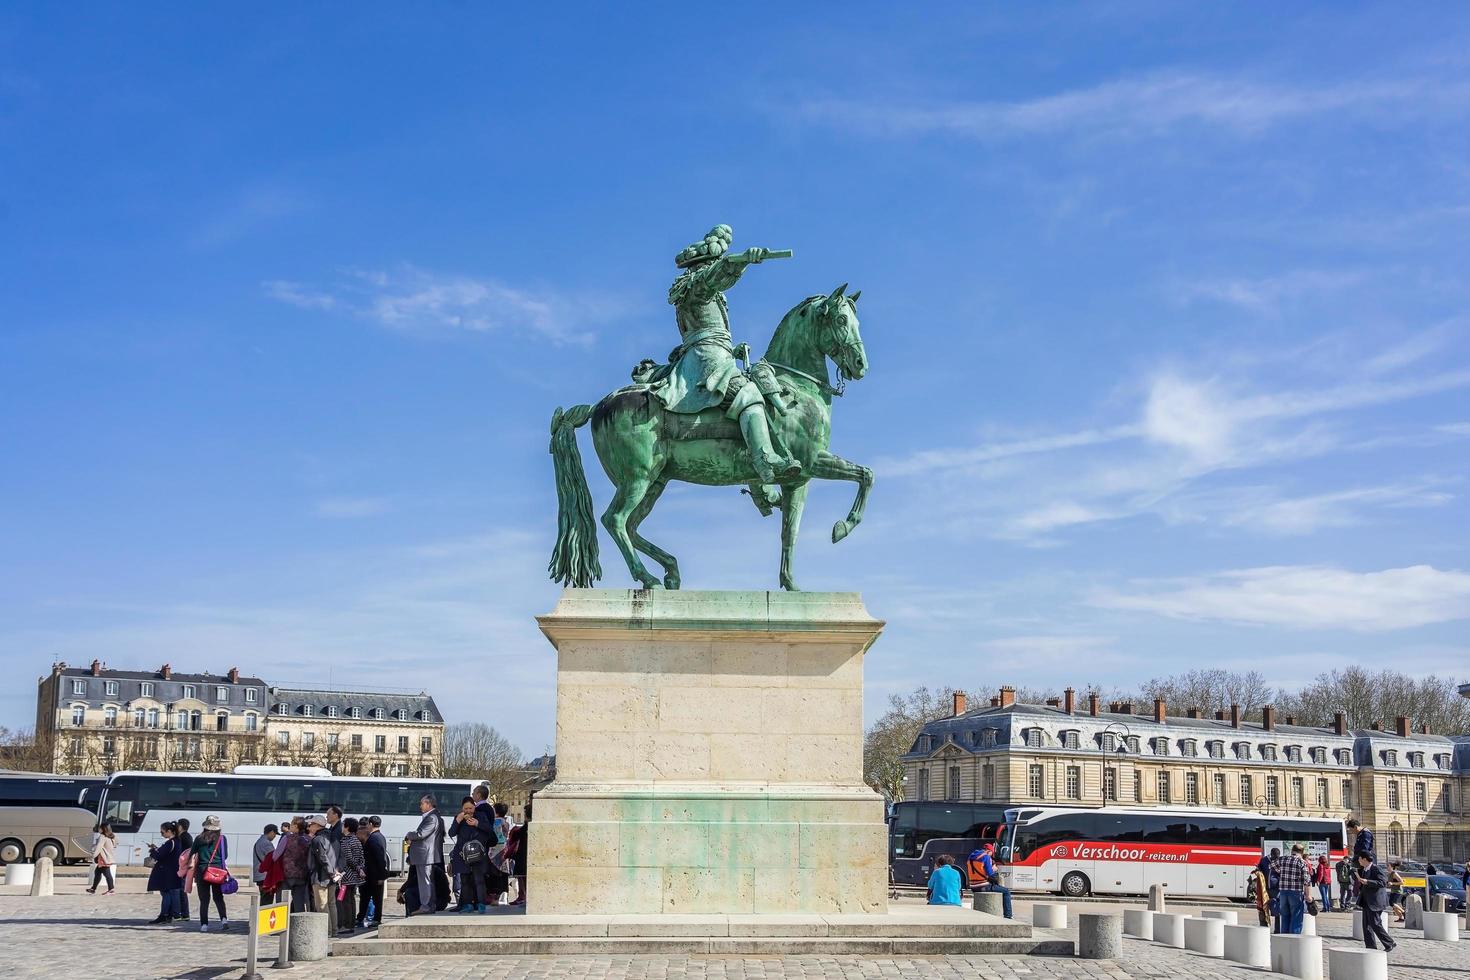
(1165, 307)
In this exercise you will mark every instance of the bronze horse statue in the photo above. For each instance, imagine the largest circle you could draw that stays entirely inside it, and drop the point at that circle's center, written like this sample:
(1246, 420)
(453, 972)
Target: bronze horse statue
(642, 447)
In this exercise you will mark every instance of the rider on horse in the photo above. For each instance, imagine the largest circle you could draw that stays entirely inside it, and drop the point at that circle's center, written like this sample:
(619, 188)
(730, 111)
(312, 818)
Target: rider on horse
(702, 372)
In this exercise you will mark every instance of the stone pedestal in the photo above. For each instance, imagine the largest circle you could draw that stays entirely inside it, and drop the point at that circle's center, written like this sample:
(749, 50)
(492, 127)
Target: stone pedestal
(709, 757)
(1049, 915)
(1444, 926)
(1297, 956)
(1169, 929)
(1099, 937)
(307, 940)
(1138, 923)
(20, 874)
(1250, 945)
(1205, 936)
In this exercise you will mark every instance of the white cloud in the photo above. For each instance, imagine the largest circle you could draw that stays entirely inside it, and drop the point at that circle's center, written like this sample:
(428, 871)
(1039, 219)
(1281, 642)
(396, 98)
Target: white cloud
(348, 507)
(1149, 104)
(1305, 597)
(414, 300)
(1268, 294)
(1262, 509)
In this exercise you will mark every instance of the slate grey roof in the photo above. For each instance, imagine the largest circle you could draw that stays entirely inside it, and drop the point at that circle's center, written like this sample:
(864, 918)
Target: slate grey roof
(296, 700)
(130, 687)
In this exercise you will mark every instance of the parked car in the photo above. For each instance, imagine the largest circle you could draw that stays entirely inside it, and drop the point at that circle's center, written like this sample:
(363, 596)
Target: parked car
(1448, 886)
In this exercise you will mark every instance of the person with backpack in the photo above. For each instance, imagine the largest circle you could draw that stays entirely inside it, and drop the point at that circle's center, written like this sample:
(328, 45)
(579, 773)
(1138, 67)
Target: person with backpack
(1345, 883)
(471, 855)
(208, 860)
(104, 856)
(321, 870)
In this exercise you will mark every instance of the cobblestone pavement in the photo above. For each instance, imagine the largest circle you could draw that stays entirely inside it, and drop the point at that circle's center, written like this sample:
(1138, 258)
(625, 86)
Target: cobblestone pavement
(104, 938)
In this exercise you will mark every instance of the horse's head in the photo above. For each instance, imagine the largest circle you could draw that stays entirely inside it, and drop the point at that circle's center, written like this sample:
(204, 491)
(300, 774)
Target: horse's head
(837, 333)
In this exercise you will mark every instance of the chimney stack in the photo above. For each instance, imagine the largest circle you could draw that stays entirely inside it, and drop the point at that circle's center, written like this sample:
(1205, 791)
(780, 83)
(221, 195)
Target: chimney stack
(1160, 712)
(995, 701)
(1053, 702)
(1378, 726)
(1423, 729)
(1194, 713)
(234, 676)
(96, 668)
(1339, 723)
(1007, 696)
(1069, 701)
(1268, 718)
(1219, 714)
(959, 703)
(1123, 708)
(1235, 716)
(1291, 719)
(1092, 705)
(1401, 726)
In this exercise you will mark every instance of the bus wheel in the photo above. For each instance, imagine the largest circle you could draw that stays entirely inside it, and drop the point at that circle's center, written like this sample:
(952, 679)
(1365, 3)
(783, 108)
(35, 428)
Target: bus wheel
(47, 849)
(11, 850)
(1075, 885)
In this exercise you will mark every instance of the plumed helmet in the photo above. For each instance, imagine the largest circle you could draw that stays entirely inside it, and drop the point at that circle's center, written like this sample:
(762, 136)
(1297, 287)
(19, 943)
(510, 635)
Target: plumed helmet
(712, 246)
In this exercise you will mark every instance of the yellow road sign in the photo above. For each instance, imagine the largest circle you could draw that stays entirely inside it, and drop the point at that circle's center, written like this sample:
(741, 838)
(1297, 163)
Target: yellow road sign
(272, 919)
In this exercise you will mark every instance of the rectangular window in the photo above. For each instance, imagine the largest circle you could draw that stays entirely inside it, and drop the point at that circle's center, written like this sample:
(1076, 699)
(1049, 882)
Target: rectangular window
(1217, 750)
(1190, 749)
(220, 749)
(79, 688)
(426, 745)
(1242, 750)
(251, 722)
(1161, 746)
(1036, 781)
(1218, 796)
(222, 722)
(188, 690)
(1191, 788)
(1298, 794)
(111, 688)
(1074, 782)
(426, 772)
(923, 779)
(1322, 802)
(221, 694)
(988, 775)
(78, 715)
(1273, 791)
(75, 745)
(1393, 794)
(1421, 797)
(1245, 792)
(1293, 753)
(1164, 786)
(283, 739)
(954, 774)
(150, 747)
(1110, 784)
(1347, 794)
(357, 743)
(331, 740)
(109, 717)
(1390, 758)
(380, 744)
(403, 743)
(109, 745)
(1070, 740)
(1033, 738)
(250, 695)
(1137, 786)
(308, 741)
(146, 689)
(139, 717)
(1444, 797)
(152, 717)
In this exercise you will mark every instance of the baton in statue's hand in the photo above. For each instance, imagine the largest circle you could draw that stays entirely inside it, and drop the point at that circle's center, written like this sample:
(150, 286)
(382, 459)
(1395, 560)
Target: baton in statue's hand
(752, 255)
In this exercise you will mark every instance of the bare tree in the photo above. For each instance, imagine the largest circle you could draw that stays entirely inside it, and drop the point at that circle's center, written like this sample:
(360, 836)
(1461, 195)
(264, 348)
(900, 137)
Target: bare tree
(20, 750)
(474, 750)
(892, 735)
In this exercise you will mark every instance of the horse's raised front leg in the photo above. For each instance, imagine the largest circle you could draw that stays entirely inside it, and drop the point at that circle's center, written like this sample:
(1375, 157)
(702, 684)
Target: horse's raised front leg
(828, 466)
(669, 562)
(793, 498)
(615, 519)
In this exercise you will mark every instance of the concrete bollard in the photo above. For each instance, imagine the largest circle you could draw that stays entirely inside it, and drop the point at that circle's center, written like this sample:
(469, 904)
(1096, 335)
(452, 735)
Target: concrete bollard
(43, 882)
(1049, 915)
(1358, 924)
(1227, 916)
(1443, 926)
(1357, 964)
(1156, 898)
(1413, 912)
(308, 940)
(1309, 925)
(1205, 936)
(1169, 929)
(1250, 945)
(1138, 923)
(1441, 903)
(991, 903)
(1099, 937)
(20, 874)
(1297, 956)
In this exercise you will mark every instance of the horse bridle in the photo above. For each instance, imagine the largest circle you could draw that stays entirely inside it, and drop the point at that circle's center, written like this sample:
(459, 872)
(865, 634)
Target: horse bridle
(844, 347)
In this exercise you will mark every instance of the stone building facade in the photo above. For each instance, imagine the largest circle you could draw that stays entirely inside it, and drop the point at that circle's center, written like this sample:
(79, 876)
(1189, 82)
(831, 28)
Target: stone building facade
(356, 733)
(1411, 787)
(94, 720)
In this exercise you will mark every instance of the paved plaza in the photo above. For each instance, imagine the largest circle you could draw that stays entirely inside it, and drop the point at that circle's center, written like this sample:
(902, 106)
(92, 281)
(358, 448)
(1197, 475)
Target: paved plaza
(103, 937)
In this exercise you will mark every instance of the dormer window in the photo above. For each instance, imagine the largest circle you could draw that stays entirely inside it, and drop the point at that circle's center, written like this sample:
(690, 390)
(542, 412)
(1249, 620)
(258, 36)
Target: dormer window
(1390, 757)
(1069, 740)
(987, 738)
(1033, 738)
(308, 710)
(1217, 750)
(283, 708)
(400, 715)
(188, 690)
(331, 711)
(111, 688)
(354, 712)
(1442, 761)
(1319, 754)
(79, 688)
(378, 714)
(1133, 743)
(1160, 746)
(1268, 752)
(1416, 759)
(1189, 748)
(145, 689)
(1344, 758)
(1293, 753)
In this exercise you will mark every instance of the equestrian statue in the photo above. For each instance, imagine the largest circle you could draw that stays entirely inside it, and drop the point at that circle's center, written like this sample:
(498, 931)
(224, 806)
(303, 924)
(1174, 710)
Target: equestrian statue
(703, 418)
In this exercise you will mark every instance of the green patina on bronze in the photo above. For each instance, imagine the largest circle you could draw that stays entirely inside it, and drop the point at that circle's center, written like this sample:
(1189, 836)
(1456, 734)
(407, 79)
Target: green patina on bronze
(701, 418)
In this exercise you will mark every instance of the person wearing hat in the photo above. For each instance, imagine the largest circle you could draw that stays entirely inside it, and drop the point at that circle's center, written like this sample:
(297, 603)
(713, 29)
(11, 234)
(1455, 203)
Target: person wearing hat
(983, 877)
(210, 850)
(321, 870)
(702, 372)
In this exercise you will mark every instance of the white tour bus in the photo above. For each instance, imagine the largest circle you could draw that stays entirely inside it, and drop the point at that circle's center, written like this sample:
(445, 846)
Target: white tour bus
(1191, 851)
(136, 803)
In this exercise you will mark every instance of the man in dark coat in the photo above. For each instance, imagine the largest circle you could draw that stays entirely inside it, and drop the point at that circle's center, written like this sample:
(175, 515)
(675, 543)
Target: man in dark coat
(375, 854)
(1373, 900)
(1362, 839)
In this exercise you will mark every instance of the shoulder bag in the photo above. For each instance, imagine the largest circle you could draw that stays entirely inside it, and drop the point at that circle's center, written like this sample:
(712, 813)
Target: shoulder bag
(213, 875)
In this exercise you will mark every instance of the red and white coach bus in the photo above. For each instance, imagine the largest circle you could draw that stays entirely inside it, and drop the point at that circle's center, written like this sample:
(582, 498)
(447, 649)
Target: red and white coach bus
(1191, 851)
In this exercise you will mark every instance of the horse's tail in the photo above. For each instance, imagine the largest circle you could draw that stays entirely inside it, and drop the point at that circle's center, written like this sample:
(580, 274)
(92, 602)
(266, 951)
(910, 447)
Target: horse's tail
(574, 559)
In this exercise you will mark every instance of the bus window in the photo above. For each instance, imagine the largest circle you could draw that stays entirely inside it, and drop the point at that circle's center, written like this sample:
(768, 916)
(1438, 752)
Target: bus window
(120, 804)
(905, 831)
(210, 795)
(266, 796)
(1212, 831)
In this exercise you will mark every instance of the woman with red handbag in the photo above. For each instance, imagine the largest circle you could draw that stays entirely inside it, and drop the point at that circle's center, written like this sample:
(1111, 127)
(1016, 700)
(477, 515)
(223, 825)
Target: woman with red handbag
(207, 865)
(104, 849)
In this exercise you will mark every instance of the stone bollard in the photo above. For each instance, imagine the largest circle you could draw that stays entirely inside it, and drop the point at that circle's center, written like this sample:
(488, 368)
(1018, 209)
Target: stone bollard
(1169, 929)
(1250, 945)
(20, 874)
(1358, 924)
(1309, 925)
(991, 903)
(1227, 916)
(43, 882)
(1443, 926)
(1413, 912)
(308, 940)
(1357, 964)
(1205, 936)
(1049, 915)
(1441, 903)
(1099, 937)
(1156, 898)
(1297, 956)
(1138, 923)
